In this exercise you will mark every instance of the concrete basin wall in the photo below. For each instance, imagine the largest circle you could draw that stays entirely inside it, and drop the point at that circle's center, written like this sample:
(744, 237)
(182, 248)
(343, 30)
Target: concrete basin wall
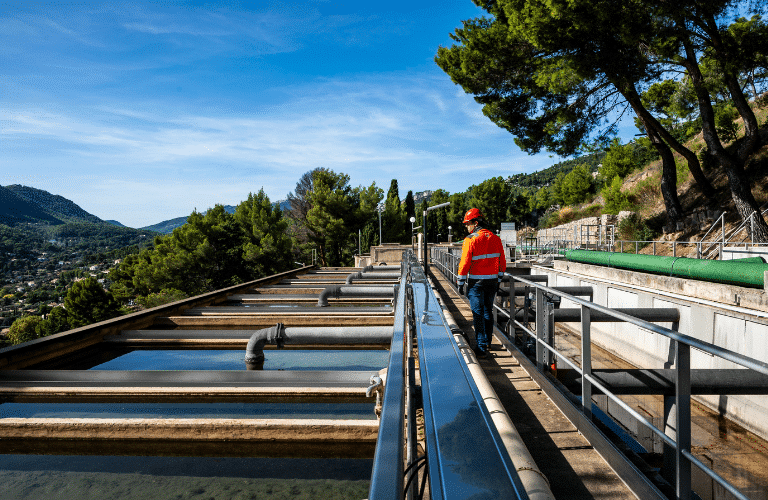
(736, 328)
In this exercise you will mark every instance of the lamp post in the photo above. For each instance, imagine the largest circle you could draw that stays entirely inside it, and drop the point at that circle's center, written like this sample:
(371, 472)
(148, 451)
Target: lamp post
(424, 230)
(413, 220)
(449, 235)
(380, 208)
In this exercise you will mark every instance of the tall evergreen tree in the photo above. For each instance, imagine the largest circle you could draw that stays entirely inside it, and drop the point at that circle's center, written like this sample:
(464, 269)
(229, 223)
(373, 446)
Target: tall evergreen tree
(393, 217)
(267, 246)
(337, 212)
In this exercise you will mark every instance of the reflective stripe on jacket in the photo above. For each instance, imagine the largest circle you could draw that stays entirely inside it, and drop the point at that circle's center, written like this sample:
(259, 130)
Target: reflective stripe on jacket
(482, 257)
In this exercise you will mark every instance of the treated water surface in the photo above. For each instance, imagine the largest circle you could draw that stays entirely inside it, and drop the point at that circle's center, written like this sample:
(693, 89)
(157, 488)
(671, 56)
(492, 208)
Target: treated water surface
(352, 360)
(30, 477)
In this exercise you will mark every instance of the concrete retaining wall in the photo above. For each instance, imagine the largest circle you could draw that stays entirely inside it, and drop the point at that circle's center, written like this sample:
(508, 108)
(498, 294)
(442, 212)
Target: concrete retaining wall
(733, 327)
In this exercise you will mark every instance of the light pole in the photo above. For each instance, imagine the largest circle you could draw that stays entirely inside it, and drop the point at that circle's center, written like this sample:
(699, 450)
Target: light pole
(424, 230)
(449, 234)
(379, 209)
(413, 220)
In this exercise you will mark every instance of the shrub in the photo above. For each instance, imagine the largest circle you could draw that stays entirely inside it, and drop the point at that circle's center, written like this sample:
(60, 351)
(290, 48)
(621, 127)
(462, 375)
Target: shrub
(615, 199)
(634, 228)
(25, 329)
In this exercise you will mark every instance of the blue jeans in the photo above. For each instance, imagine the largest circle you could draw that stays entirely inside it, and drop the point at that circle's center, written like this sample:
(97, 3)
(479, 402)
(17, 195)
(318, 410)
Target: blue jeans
(480, 294)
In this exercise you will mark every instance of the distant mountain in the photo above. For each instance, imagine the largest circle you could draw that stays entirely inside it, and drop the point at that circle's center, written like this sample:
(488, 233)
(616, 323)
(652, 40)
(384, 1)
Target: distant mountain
(115, 223)
(54, 205)
(35, 221)
(17, 210)
(167, 227)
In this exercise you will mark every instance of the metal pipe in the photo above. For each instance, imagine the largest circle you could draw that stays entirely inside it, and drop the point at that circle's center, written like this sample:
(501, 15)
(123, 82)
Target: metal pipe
(740, 272)
(381, 267)
(338, 291)
(254, 351)
(279, 334)
(371, 276)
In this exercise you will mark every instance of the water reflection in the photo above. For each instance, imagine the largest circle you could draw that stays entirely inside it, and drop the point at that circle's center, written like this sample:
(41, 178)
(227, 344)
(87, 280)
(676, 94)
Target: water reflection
(233, 360)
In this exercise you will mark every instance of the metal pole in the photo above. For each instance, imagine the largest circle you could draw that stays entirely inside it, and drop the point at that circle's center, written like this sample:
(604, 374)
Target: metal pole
(683, 421)
(586, 362)
(549, 357)
(540, 320)
(379, 210)
(424, 231)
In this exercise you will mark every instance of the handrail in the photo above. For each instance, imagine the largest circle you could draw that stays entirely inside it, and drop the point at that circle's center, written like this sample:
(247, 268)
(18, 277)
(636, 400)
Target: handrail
(721, 220)
(387, 475)
(682, 344)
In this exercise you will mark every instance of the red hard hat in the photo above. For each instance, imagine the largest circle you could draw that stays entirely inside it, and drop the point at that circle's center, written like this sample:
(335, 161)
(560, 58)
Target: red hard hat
(472, 214)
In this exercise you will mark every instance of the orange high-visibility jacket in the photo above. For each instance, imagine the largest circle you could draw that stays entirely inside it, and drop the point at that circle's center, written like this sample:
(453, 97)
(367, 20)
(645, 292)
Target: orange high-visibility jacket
(482, 257)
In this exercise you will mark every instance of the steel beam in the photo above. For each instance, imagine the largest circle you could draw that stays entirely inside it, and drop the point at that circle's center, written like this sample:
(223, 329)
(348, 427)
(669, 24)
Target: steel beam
(652, 314)
(662, 381)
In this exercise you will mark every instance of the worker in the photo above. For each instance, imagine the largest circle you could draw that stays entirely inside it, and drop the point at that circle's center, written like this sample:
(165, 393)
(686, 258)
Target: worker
(481, 269)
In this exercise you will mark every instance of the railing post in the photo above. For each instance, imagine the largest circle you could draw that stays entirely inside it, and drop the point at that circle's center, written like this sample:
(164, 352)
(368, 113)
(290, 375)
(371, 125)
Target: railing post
(586, 362)
(683, 420)
(511, 310)
(674, 249)
(549, 331)
(654, 248)
(540, 322)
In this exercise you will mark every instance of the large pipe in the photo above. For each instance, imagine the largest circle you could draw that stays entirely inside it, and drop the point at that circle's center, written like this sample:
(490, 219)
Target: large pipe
(371, 276)
(381, 267)
(280, 335)
(533, 480)
(741, 272)
(338, 291)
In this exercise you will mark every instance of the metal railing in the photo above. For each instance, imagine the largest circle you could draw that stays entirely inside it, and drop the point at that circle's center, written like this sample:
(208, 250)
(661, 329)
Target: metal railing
(463, 447)
(543, 333)
(387, 475)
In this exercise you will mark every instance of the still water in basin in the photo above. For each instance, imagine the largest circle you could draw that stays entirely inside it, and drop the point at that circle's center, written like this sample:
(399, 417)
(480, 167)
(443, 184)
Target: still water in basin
(158, 478)
(233, 360)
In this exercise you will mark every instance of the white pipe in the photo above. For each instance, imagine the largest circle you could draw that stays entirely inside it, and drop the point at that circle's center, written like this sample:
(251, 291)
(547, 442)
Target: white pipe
(533, 480)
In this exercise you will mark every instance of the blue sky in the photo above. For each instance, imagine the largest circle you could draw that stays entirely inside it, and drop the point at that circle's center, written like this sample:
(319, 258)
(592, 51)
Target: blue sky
(142, 112)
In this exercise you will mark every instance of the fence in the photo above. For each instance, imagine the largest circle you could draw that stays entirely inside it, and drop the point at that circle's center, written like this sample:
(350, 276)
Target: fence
(542, 313)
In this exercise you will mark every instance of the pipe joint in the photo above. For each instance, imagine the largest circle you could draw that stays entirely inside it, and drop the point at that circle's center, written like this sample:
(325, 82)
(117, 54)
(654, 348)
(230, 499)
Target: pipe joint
(377, 389)
(254, 351)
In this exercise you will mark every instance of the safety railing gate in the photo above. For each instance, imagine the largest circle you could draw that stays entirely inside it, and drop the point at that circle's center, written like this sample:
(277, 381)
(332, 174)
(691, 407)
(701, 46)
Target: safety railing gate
(535, 318)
